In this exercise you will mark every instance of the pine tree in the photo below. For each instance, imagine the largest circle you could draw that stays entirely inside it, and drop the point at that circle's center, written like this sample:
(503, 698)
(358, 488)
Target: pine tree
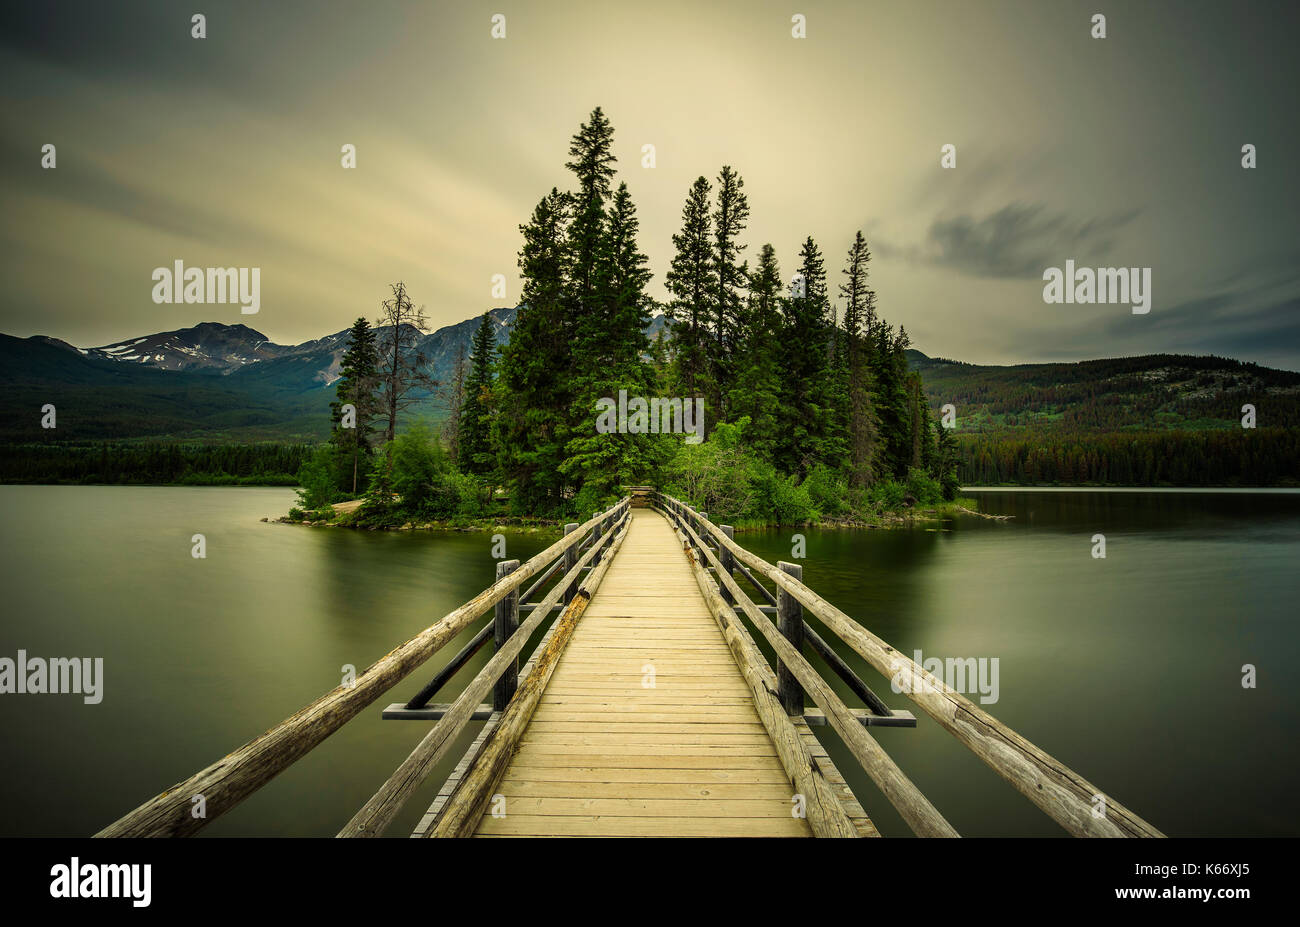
(453, 394)
(614, 348)
(859, 319)
(592, 152)
(532, 425)
(810, 434)
(690, 280)
(947, 457)
(475, 428)
(358, 380)
(919, 424)
(757, 389)
(889, 373)
(731, 276)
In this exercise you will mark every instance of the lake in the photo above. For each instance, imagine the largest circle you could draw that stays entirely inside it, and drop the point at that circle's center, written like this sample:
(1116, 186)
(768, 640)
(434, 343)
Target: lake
(1127, 668)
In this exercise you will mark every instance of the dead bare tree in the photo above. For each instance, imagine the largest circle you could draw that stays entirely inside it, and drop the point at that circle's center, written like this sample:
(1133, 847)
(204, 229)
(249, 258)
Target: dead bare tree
(403, 366)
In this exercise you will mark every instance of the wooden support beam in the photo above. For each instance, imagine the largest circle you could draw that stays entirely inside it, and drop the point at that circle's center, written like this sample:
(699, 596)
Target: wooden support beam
(867, 718)
(399, 712)
(728, 563)
(845, 672)
(570, 558)
(505, 623)
(451, 667)
(789, 621)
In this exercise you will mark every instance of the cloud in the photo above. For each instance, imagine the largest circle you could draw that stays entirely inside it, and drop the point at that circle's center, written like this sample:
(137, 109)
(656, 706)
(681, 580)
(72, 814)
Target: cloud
(1018, 241)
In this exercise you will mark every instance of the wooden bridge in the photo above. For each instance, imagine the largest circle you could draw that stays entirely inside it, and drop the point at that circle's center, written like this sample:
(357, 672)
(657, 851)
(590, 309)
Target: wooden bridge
(646, 709)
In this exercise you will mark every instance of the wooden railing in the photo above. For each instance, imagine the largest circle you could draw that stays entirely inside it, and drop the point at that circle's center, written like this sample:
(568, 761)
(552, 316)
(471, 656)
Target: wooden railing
(1069, 799)
(230, 780)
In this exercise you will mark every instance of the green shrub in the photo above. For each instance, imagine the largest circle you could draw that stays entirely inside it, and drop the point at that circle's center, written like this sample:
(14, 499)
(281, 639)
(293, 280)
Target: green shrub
(781, 499)
(923, 487)
(886, 494)
(589, 500)
(318, 478)
(828, 490)
(716, 476)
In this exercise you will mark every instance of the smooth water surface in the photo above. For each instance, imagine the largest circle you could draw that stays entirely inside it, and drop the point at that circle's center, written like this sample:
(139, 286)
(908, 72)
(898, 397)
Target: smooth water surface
(1128, 669)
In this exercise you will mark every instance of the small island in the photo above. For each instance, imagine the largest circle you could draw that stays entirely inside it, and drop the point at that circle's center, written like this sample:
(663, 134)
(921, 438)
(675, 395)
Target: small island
(801, 414)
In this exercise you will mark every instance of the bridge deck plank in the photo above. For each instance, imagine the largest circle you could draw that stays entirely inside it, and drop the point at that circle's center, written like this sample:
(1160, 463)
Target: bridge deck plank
(647, 727)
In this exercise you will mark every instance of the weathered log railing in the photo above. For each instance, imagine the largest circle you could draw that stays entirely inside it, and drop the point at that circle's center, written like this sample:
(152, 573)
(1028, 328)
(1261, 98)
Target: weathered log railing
(1063, 794)
(230, 780)
(499, 673)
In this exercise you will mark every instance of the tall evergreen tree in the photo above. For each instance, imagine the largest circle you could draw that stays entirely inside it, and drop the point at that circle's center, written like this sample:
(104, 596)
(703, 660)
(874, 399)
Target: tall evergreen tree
(614, 348)
(358, 381)
(689, 281)
(453, 394)
(475, 430)
(730, 217)
(535, 393)
(756, 392)
(810, 435)
(592, 152)
(859, 317)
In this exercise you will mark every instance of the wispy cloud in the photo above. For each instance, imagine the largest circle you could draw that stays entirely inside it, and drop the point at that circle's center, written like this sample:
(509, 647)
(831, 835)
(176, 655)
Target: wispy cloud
(1019, 240)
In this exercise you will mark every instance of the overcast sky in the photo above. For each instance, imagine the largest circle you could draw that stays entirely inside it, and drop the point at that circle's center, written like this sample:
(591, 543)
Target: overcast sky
(225, 151)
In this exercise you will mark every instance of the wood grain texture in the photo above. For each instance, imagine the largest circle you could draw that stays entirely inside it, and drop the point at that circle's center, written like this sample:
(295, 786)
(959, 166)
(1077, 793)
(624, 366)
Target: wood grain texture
(646, 726)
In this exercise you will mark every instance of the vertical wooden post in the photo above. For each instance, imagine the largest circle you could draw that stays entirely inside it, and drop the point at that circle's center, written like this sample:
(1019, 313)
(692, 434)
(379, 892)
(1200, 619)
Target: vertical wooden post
(571, 561)
(789, 620)
(595, 537)
(506, 623)
(728, 564)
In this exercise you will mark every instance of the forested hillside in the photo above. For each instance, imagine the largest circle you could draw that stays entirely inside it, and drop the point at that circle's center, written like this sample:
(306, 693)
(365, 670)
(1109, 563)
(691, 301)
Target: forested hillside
(1140, 421)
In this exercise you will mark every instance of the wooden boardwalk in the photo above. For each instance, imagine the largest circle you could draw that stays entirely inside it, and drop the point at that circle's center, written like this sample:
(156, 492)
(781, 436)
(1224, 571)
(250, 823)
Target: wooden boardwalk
(647, 709)
(647, 727)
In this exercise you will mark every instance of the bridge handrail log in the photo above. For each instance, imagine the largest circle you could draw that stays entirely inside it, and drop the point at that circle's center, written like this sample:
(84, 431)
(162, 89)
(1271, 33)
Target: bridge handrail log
(377, 813)
(230, 780)
(461, 815)
(917, 810)
(1057, 790)
(824, 812)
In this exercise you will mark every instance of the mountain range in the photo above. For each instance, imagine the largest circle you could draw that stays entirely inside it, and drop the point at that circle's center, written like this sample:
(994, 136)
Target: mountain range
(215, 382)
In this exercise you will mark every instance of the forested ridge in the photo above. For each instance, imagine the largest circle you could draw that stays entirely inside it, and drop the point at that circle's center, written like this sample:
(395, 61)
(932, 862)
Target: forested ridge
(1136, 421)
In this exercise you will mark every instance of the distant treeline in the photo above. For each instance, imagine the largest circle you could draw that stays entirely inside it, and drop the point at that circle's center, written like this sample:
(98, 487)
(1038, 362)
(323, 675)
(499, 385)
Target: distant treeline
(186, 464)
(1158, 392)
(1238, 457)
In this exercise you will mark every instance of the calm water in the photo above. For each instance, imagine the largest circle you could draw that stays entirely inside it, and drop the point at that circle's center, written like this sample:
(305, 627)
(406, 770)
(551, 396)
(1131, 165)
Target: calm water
(1127, 669)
